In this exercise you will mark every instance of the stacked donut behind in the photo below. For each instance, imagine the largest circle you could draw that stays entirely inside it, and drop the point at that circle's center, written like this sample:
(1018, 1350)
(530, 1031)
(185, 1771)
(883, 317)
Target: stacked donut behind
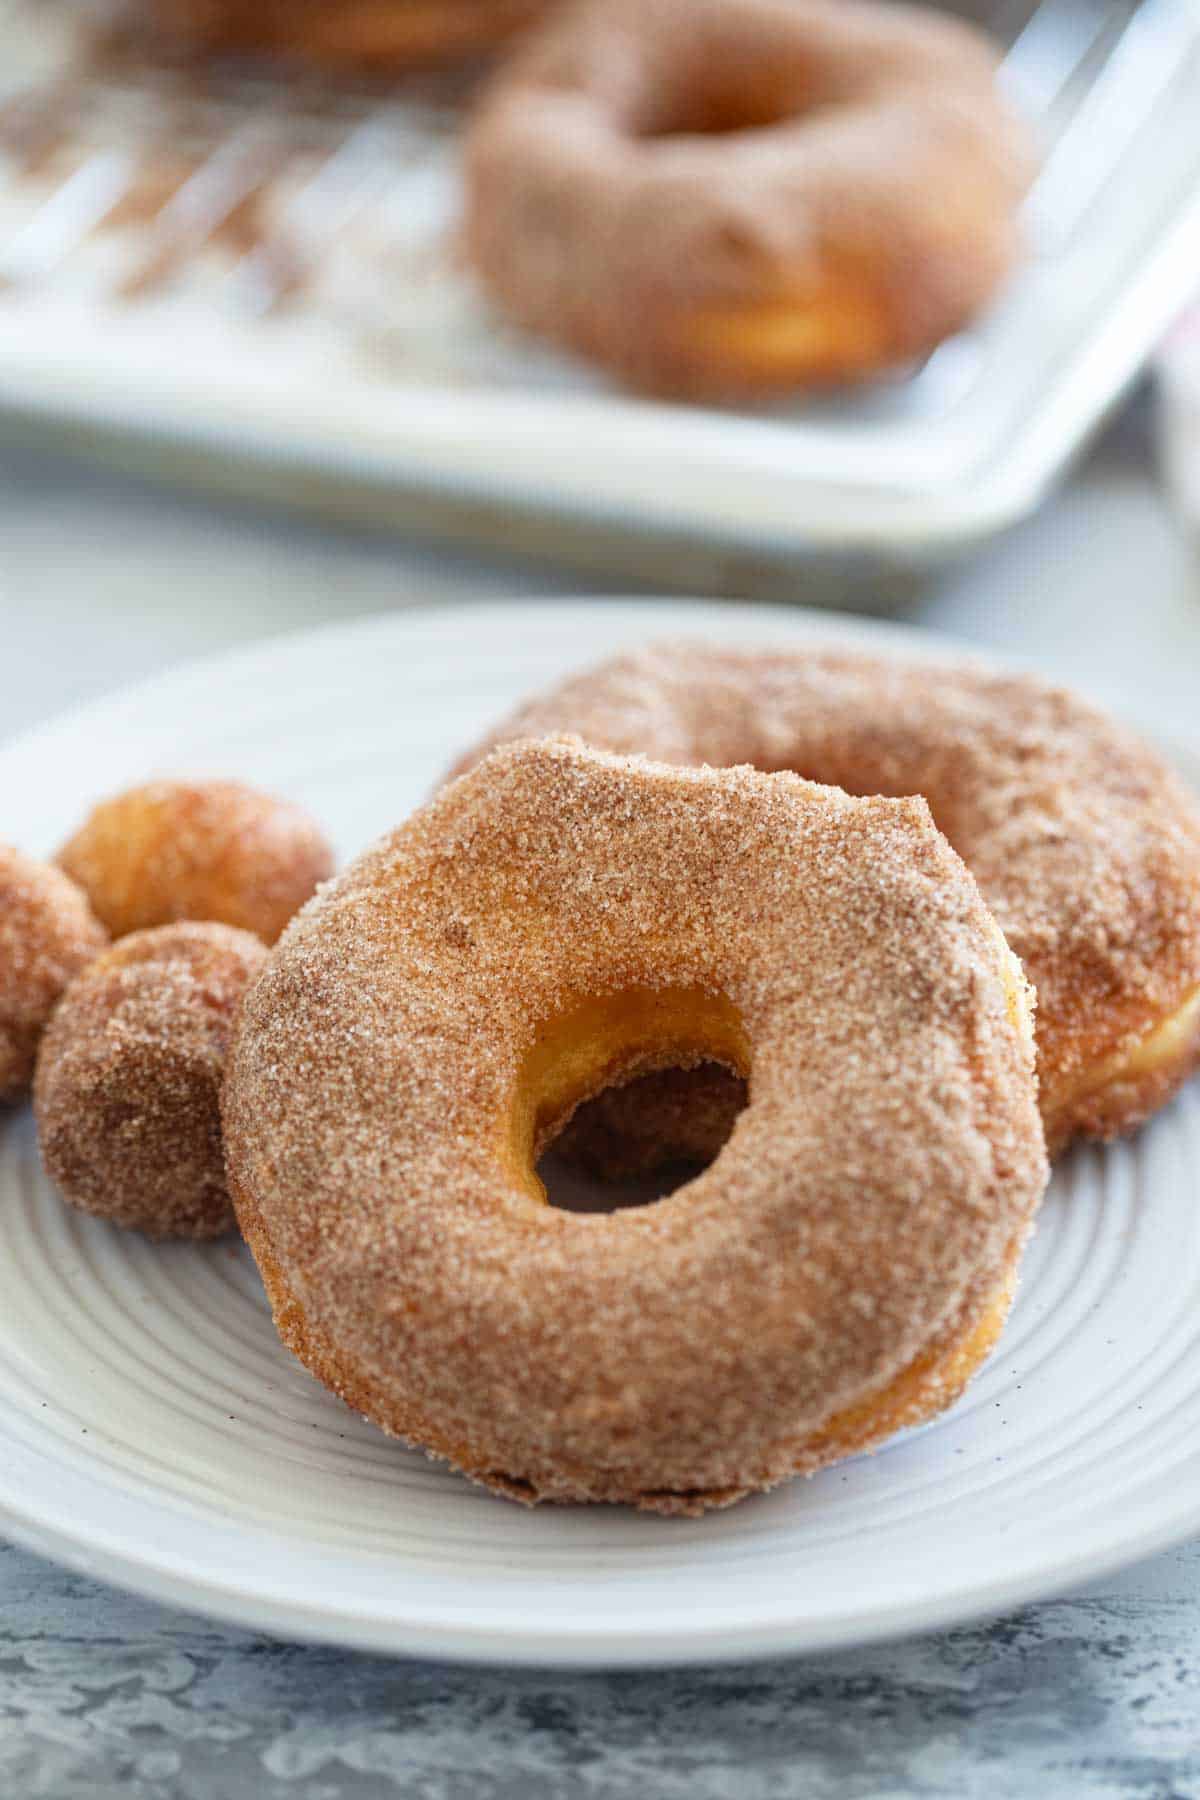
(1085, 845)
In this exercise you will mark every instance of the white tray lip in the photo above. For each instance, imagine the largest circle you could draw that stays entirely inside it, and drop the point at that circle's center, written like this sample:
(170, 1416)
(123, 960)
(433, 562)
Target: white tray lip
(432, 455)
(96, 1551)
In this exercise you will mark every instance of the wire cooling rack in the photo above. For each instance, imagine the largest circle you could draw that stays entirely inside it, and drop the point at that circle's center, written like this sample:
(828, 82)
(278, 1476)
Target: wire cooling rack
(253, 279)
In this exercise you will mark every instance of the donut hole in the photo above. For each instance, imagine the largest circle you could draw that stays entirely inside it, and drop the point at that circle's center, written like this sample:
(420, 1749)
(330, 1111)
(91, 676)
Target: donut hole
(721, 100)
(639, 1140)
(624, 1097)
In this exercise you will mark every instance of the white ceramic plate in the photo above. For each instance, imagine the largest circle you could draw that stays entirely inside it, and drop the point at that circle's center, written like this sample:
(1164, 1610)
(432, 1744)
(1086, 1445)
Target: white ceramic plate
(153, 1431)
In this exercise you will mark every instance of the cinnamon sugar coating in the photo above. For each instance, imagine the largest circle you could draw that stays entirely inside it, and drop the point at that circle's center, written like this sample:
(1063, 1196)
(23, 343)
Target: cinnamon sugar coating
(47, 934)
(732, 197)
(128, 1079)
(1085, 844)
(559, 918)
(197, 850)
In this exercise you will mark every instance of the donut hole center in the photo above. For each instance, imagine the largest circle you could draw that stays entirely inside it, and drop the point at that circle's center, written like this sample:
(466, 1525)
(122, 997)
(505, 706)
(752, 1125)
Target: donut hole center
(720, 102)
(641, 1139)
(626, 1097)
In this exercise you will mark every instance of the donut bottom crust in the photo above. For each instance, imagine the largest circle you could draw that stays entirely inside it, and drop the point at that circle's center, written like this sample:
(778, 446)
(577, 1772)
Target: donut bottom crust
(806, 340)
(925, 1387)
(842, 326)
(1110, 1097)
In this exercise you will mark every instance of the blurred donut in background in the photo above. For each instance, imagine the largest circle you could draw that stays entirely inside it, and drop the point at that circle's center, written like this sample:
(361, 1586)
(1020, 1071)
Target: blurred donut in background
(725, 198)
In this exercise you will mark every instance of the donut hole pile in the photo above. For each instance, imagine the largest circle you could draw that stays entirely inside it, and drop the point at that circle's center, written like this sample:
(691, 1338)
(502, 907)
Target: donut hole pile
(125, 1046)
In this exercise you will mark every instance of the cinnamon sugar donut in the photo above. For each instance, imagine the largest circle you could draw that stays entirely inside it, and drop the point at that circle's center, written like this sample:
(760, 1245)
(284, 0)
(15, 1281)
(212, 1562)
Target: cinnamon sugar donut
(197, 850)
(561, 918)
(357, 34)
(1086, 846)
(129, 1074)
(739, 197)
(47, 934)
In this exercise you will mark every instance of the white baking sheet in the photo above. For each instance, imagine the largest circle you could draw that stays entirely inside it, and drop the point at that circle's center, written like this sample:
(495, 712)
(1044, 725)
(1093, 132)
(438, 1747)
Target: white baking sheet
(349, 347)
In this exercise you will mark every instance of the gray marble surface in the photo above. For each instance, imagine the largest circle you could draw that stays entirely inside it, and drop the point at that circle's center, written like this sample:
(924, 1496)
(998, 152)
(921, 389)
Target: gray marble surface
(1096, 1694)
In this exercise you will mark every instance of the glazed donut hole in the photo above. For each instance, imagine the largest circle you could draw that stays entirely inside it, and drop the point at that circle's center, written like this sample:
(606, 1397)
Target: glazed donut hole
(126, 1094)
(125, 1045)
(48, 933)
(629, 1097)
(208, 850)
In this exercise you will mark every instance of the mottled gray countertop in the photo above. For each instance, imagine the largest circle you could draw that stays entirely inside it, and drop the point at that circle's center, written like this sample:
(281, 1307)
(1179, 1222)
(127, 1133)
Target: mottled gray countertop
(101, 1695)
(1097, 1695)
